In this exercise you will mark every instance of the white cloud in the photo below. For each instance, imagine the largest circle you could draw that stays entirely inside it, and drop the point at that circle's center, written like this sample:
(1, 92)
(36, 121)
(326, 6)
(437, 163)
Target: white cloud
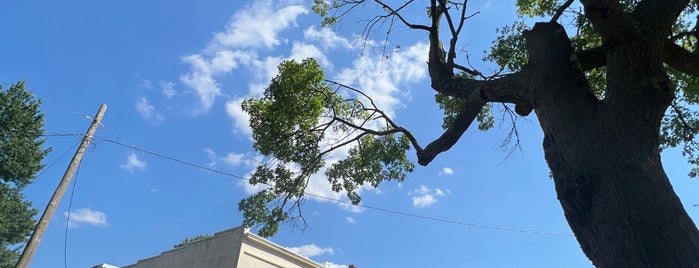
(133, 163)
(203, 68)
(145, 83)
(147, 110)
(250, 28)
(233, 159)
(168, 89)
(257, 25)
(447, 171)
(380, 77)
(86, 216)
(211, 155)
(424, 196)
(350, 220)
(311, 250)
(326, 37)
(300, 51)
(241, 119)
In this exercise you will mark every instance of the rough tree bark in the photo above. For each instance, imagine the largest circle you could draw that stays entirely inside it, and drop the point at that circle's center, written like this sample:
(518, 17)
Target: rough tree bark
(604, 154)
(605, 161)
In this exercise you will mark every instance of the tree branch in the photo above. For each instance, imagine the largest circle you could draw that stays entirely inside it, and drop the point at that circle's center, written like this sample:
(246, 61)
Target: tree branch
(609, 19)
(674, 56)
(680, 59)
(659, 13)
(461, 123)
(560, 10)
(395, 13)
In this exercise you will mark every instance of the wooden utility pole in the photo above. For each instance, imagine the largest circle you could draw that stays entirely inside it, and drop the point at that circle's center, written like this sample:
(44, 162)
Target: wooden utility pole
(38, 233)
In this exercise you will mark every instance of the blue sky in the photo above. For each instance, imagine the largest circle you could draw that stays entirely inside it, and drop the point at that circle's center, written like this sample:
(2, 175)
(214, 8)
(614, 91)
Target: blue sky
(174, 73)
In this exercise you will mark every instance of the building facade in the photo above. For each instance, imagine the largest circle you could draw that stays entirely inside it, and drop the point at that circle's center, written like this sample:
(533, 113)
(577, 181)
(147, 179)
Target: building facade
(231, 248)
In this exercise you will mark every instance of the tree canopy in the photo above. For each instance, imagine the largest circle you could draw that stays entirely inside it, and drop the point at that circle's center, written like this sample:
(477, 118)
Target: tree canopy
(21, 153)
(609, 97)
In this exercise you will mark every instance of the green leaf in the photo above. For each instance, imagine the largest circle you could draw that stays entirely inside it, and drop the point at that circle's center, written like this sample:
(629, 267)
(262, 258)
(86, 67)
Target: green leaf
(295, 125)
(373, 160)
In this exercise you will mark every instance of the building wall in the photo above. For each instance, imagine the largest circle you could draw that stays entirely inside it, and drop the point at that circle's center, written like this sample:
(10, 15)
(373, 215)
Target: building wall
(219, 251)
(257, 252)
(228, 249)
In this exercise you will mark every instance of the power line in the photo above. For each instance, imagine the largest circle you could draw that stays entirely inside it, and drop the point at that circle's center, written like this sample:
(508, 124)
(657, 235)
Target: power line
(495, 228)
(305, 192)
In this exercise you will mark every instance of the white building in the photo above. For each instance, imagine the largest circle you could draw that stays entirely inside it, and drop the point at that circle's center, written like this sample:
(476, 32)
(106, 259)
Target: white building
(231, 248)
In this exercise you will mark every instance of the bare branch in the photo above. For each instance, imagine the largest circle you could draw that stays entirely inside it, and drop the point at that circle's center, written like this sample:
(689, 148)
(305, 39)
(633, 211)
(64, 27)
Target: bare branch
(394, 12)
(560, 10)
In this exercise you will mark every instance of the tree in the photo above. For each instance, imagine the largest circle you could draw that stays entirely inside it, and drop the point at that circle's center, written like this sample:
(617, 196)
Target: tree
(20, 159)
(188, 240)
(608, 100)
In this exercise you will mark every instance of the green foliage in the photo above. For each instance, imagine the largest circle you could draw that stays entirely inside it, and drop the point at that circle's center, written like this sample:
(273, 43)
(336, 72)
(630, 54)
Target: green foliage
(451, 107)
(188, 240)
(296, 124)
(373, 160)
(537, 8)
(508, 49)
(321, 7)
(20, 160)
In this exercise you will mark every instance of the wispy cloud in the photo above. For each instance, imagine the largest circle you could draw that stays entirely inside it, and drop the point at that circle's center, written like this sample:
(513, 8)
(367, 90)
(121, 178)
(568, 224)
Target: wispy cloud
(446, 171)
(350, 220)
(168, 89)
(251, 28)
(233, 159)
(311, 250)
(326, 37)
(257, 25)
(147, 110)
(85, 216)
(380, 77)
(211, 155)
(424, 197)
(133, 163)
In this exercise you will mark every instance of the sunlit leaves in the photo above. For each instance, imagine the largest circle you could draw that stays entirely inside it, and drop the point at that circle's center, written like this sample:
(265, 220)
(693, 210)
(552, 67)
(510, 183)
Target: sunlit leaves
(451, 107)
(508, 50)
(297, 124)
(321, 7)
(373, 160)
(282, 121)
(536, 8)
(257, 211)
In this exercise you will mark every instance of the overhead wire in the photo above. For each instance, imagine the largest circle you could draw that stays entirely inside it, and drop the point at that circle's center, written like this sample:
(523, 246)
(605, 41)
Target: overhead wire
(391, 211)
(198, 166)
(70, 207)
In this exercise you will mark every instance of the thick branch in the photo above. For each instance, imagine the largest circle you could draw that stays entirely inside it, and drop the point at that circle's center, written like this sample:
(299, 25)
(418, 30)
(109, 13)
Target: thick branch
(673, 55)
(592, 58)
(680, 59)
(461, 123)
(661, 14)
(560, 10)
(609, 19)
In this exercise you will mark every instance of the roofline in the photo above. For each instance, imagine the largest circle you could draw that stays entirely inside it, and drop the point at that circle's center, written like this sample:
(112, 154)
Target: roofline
(271, 245)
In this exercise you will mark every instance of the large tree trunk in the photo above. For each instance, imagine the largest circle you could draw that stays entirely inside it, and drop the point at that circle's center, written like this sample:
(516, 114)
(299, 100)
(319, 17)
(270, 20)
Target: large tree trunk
(604, 155)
